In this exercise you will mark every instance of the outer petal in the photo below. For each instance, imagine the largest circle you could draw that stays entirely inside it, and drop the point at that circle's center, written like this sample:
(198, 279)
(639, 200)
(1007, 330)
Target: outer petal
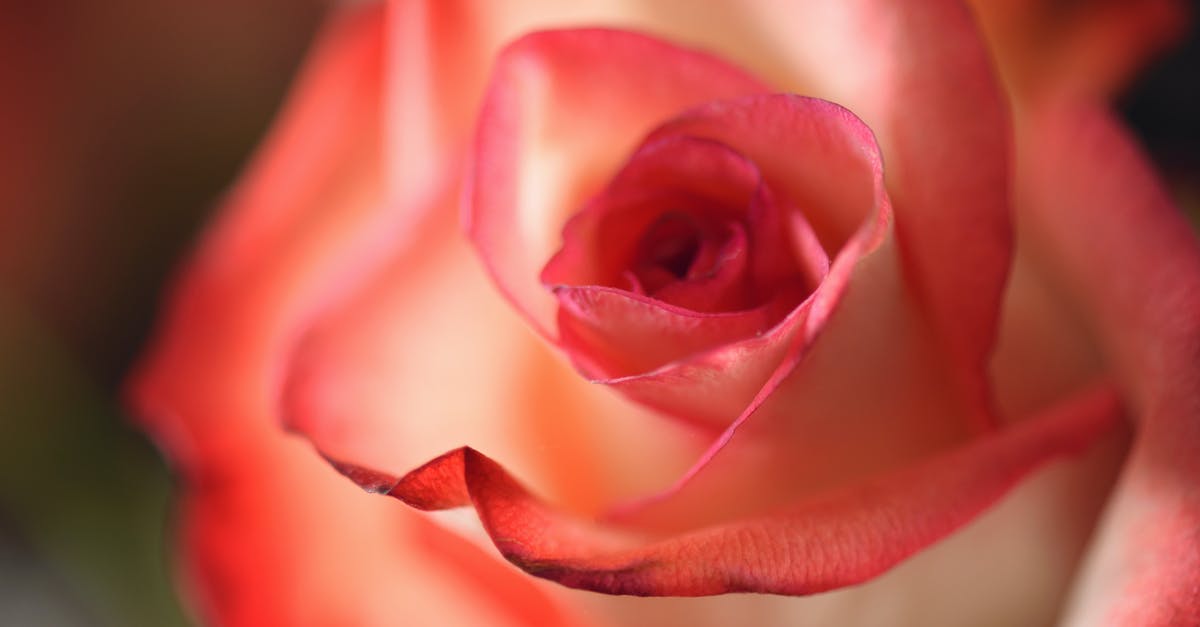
(1131, 262)
(840, 539)
(271, 535)
(1092, 46)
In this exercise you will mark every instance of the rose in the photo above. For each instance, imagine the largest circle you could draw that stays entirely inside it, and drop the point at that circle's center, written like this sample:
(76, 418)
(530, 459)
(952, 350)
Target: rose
(265, 275)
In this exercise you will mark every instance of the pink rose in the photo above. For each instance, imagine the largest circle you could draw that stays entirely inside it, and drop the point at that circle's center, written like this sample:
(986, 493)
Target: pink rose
(750, 317)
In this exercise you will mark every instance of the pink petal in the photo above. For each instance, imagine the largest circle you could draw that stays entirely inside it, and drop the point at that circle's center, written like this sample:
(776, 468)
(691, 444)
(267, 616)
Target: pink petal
(701, 178)
(612, 333)
(1128, 258)
(865, 397)
(1094, 47)
(942, 122)
(270, 535)
(563, 109)
(918, 74)
(825, 163)
(426, 357)
(838, 539)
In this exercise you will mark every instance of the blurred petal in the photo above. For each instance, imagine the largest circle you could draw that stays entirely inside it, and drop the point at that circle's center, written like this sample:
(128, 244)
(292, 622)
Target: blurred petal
(1127, 256)
(1090, 46)
(271, 535)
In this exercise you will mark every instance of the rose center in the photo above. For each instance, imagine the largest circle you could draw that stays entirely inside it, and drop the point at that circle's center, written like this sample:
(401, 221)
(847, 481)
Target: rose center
(671, 243)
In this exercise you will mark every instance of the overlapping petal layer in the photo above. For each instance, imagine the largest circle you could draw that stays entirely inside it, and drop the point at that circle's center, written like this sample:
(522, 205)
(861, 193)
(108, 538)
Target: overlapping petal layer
(270, 534)
(1093, 47)
(1114, 241)
(840, 539)
(550, 136)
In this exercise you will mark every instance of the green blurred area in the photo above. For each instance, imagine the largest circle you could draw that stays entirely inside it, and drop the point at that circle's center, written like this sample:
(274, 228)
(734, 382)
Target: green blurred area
(141, 112)
(78, 489)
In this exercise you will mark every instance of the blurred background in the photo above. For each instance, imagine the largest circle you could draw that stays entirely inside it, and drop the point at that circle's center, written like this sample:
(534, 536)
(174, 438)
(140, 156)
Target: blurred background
(121, 123)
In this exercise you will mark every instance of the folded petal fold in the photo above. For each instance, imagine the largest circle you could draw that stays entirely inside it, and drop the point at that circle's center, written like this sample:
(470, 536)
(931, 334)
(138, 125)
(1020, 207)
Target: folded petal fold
(834, 540)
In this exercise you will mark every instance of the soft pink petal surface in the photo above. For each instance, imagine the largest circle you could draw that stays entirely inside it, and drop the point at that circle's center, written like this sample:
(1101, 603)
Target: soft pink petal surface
(1091, 47)
(270, 534)
(919, 76)
(1130, 261)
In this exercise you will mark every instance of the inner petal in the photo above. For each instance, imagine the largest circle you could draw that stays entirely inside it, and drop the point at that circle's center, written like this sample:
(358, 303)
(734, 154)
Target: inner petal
(688, 227)
(657, 212)
(717, 278)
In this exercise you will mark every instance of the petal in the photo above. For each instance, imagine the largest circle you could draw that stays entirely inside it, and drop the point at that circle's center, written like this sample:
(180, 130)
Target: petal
(825, 163)
(982, 574)
(919, 75)
(611, 333)
(1094, 47)
(839, 539)
(272, 536)
(864, 398)
(1129, 260)
(942, 124)
(550, 135)
(679, 174)
(426, 357)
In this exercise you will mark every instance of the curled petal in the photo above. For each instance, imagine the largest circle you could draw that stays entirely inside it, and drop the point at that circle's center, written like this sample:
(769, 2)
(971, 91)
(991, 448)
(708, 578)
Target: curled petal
(825, 162)
(612, 333)
(273, 537)
(748, 283)
(839, 539)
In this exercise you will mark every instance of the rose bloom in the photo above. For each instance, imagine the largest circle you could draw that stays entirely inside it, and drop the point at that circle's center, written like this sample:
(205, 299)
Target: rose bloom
(677, 300)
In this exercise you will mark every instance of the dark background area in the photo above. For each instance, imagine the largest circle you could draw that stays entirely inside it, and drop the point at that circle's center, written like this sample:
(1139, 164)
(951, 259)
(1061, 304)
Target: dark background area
(122, 124)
